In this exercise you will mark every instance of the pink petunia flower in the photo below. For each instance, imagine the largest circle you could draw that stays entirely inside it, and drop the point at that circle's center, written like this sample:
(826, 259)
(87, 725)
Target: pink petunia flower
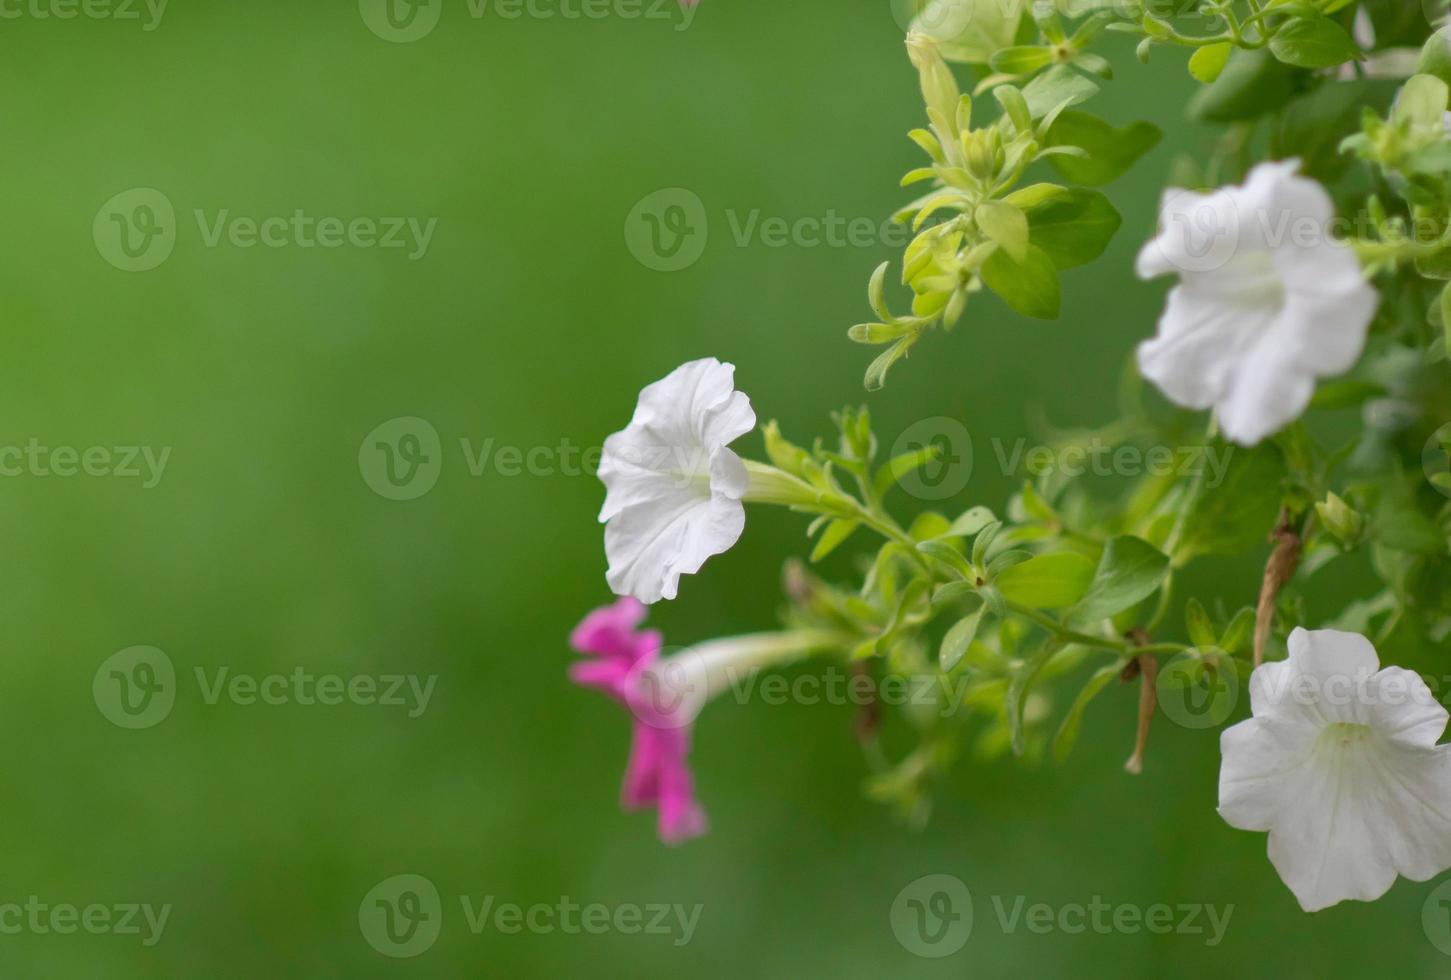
(657, 773)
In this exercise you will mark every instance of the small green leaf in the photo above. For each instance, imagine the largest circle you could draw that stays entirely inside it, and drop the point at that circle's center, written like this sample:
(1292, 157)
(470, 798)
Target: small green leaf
(1111, 151)
(1196, 621)
(1313, 42)
(1006, 225)
(1422, 102)
(1030, 287)
(1018, 687)
(952, 592)
(1130, 571)
(900, 466)
(959, 638)
(949, 556)
(1067, 735)
(1047, 581)
(970, 522)
(1057, 86)
(984, 541)
(1021, 60)
(876, 375)
(836, 532)
(1075, 229)
(1236, 634)
(1252, 84)
(1237, 507)
(1036, 195)
(1010, 97)
(1208, 62)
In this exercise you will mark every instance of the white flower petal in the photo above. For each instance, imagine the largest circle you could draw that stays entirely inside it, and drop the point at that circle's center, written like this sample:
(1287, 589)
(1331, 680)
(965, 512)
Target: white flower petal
(1340, 765)
(1267, 302)
(1264, 395)
(672, 490)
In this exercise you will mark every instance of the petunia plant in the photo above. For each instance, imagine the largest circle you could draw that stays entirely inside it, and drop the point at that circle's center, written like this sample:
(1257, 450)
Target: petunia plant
(1309, 254)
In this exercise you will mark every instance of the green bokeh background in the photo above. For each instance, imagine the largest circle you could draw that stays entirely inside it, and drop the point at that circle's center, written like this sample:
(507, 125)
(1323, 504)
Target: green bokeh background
(527, 322)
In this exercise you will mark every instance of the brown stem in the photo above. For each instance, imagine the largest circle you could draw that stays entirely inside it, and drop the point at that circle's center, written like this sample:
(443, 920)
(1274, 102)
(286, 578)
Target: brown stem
(1284, 560)
(1146, 668)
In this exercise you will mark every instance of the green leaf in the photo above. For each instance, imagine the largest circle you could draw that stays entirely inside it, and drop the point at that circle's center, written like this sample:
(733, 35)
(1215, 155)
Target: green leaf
(900, 466)
(1030, 287)
(1446, 316)
(1238, 513)
(876, 375)
(984, 541)
(1059, 85)
(1252, 84)
(1129, 572)
(1311, 127)
(1018, 690)
(952, 592)
(959, 638)
(1074, 230)
(836, 532)
(970, 522)
(1346, 393)
(1067, 735)
(1005, 225)
(1196, 621)
(1021, 60)
(1422, 102)
(1111, 151)
(1236, 634)
(1436, 55)
(949, 556)
(1208, 62)
(1313, 42)
(1047, 581)
(1035, 195)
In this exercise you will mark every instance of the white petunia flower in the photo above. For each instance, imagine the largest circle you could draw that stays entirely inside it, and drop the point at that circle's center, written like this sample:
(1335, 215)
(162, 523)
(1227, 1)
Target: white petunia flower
(672, 489)
(1267, 300)
(1340, 764)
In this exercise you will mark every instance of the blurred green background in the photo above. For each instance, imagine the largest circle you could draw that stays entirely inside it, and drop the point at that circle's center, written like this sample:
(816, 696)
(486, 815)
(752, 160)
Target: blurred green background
(529, 322)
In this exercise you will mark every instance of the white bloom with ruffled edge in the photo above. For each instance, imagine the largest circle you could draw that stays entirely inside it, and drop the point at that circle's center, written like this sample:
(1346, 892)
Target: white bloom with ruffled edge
(1340, 765)
(1267, 300)
(672, 489)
